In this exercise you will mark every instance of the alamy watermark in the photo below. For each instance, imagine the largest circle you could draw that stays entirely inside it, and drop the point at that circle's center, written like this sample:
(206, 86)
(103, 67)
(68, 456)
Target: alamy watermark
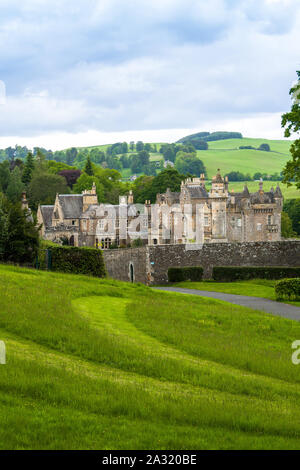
(296, 353)
(2, 93)
(2, 353)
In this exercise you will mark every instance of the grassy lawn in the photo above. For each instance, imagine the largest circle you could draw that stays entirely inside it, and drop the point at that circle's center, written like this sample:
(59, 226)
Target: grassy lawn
(254, 288)
(95, 364)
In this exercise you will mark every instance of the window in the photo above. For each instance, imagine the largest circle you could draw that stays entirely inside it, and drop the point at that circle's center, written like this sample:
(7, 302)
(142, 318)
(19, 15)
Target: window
(258, 227)
(145, 222)
(73, 222)
(206, 222)
(101, 224)
(269, 219)
(239, 222)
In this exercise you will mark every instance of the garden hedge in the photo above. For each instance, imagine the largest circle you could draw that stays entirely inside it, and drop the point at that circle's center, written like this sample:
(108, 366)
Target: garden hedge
(288, 289)
(193, 273)
(69, 259)
(242, 273)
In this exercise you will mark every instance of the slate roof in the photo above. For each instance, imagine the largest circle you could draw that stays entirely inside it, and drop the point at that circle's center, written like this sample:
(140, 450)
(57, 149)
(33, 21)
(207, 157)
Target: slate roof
(197, 192)
(47, 212)
(264, 198)
(169, 196)
(72, 205)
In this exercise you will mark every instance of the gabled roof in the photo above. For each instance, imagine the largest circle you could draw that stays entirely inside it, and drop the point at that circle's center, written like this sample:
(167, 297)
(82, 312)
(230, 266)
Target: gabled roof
(72, 205)
(47, 212)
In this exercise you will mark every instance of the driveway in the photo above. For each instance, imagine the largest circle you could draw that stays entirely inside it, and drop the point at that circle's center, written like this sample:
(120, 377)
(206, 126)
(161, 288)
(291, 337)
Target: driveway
(257, 303)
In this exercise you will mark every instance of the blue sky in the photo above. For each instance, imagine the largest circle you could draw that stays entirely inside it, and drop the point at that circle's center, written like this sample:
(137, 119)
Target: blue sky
(98, 71)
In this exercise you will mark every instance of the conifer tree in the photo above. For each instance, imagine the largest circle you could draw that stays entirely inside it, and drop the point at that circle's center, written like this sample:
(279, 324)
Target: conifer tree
(88, 167)
(28, 169)
(15, 185)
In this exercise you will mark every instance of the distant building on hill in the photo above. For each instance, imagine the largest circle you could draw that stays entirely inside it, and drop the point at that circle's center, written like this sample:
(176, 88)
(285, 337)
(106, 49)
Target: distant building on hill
(168, 163)
(192, 215)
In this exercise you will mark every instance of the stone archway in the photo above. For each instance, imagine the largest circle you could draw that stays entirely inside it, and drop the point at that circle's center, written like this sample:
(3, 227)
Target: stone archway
(72, 241)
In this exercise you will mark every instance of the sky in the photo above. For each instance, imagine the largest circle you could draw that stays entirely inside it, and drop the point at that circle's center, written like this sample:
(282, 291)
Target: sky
(90, 72)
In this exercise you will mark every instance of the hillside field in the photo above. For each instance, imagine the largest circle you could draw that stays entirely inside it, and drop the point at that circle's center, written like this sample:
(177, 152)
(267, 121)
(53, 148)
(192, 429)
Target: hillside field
(99, 364)
(226, 155)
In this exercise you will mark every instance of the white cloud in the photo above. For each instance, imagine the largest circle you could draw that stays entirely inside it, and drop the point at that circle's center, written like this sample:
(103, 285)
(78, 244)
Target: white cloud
(95, 67)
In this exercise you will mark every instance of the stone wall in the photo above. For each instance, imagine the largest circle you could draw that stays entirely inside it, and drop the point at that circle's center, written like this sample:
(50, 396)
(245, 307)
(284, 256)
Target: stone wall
(150, 264)
(126, 263)
(286, 253)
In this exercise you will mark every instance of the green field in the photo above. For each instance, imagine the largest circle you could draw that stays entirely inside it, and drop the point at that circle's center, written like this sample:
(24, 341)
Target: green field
(226, 155)
(97, 364)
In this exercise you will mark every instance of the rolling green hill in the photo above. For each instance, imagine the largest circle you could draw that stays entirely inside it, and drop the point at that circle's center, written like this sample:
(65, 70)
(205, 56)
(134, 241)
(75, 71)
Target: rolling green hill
(99, 364)
(226, 155)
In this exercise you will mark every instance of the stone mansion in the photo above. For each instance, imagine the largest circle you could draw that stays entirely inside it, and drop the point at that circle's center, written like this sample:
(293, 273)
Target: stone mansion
(192, 216)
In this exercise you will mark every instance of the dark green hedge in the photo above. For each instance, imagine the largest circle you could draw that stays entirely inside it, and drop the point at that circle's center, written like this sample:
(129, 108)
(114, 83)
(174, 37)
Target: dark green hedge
(288, 289)
(75, 260)
(241, 273)
(193, 273)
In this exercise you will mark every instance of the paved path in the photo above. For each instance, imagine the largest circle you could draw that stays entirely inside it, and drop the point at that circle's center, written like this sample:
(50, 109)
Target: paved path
(257, 303)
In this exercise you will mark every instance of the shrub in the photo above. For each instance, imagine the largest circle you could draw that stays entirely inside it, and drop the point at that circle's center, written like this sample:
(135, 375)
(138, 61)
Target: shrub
(239, 273)
(76, 260)
(137, 243)
(264, 147)
(288, 289)
(193, 273)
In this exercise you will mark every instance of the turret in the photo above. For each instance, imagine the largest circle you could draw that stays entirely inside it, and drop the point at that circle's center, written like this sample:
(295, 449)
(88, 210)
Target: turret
(130, 197)
(278, 193)
(226, 183)
(245, 192)
(218, 187)
(25, 206)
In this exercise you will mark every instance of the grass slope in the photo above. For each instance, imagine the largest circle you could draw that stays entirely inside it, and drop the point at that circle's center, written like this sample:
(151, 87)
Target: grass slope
(106, 365)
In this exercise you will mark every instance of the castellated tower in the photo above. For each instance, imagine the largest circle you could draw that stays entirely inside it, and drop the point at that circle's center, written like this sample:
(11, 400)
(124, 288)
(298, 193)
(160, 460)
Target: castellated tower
(89, 198)
(218, 199)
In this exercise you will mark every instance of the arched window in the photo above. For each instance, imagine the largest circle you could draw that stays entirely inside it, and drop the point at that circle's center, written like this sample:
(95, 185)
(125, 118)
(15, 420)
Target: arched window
(72, 241)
